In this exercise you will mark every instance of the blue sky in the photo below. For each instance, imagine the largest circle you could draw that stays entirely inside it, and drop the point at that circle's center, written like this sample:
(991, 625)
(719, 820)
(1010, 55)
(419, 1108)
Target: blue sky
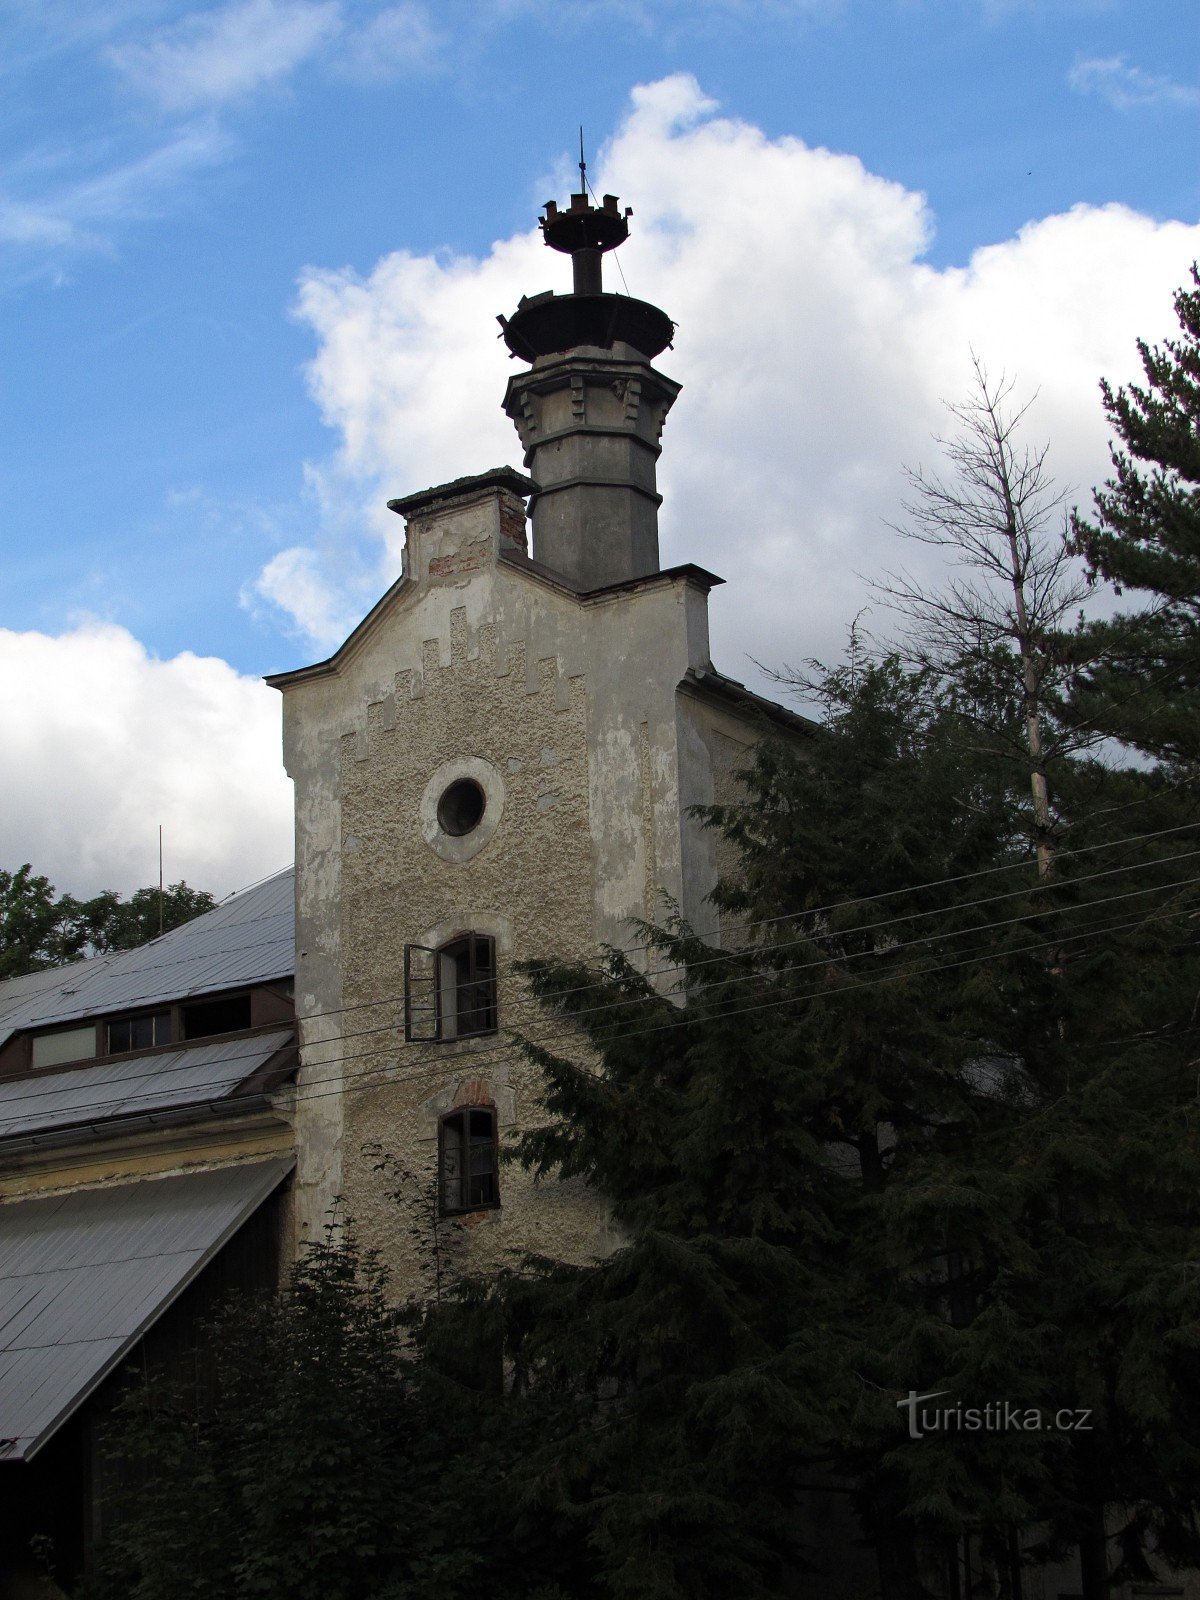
(243, 241)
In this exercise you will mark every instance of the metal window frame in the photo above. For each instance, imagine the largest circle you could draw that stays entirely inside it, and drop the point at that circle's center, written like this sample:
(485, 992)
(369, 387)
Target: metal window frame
(411, 979)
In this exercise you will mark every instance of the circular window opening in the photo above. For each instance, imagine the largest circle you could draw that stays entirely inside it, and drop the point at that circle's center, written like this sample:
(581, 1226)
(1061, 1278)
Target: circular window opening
(461, 808)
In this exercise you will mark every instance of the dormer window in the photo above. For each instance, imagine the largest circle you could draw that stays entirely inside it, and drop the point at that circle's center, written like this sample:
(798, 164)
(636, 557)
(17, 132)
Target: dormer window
(229, 1014)
(64, 1044)
(450, 992)
(139, 1032)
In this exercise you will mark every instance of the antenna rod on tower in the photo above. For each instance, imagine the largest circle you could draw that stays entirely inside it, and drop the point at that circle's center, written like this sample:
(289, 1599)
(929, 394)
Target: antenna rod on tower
(582, 164)
(160, 880)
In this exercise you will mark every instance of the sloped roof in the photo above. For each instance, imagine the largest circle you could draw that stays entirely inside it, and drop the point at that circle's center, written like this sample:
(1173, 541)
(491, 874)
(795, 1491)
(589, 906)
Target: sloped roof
(120, 1086)
(84, 1275)
(249, 938)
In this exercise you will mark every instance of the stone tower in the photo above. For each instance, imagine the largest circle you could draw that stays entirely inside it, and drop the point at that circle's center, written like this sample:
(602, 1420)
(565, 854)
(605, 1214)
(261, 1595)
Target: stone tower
(591, 408)
(501, 763)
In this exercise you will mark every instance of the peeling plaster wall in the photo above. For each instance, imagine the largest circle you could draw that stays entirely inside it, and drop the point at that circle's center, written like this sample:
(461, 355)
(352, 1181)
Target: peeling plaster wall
(570, 706)
(715, 746)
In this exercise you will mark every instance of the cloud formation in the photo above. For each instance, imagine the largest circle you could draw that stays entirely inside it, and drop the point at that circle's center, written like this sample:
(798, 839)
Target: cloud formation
(110, 742)
(215, 56)
(814, 344)
(79, 213)
(399, 39)
(1128, 88)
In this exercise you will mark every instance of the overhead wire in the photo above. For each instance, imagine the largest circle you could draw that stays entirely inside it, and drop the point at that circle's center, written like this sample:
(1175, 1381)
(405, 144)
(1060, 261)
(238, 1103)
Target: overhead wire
(381, 1077)
(155, 996)
(529, 1001)
(890, 952)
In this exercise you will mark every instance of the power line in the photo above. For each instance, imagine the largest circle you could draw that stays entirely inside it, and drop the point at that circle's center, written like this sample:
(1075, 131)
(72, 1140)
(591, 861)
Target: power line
(889, 953)
(382, 1077)
(686, 1020)
(509, 967)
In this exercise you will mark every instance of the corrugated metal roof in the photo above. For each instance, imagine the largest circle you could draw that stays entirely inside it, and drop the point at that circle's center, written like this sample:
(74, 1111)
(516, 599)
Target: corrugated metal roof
(118, 1086)
(248, 939)
(83, 1275)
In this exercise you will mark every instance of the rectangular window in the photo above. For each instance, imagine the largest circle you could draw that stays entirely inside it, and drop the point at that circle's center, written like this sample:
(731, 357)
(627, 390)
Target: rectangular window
(450, 992)
(227, 1015)
(68, 1044)
(139, 1033)
(467, 1159)
(420, 994)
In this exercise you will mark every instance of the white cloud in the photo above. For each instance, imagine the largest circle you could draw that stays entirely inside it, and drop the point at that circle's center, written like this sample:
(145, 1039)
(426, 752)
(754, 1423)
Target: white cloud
(79, 214)
(815, 346)
(294, 581)
(223, 54)
(1127, 87)
(400, 38)
(111, 742)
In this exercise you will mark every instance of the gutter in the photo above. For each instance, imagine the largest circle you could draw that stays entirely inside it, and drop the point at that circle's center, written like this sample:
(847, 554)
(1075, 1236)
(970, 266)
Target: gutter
(137, 1122)
(716, 686)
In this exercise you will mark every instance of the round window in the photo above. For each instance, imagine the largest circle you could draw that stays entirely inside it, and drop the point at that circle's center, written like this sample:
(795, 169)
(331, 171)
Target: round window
(461, 807)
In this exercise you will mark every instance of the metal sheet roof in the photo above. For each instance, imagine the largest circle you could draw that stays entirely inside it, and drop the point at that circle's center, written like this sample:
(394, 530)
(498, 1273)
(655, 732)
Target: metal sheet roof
(120, 1086)
(83, 1275)
(250, 938)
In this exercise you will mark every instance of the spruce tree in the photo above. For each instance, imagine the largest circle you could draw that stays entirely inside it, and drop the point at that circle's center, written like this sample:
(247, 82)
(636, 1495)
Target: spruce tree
(925, 1130)
(1145, 542)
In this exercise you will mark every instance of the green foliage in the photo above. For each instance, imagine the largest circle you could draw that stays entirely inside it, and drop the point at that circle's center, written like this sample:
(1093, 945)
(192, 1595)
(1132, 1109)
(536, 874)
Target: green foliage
(297, 1461)
(1013, 1072)
(931, 1129)
(684, 1382)
(1146, 541)
(38, 929)
(111, 923)
(930, 1125)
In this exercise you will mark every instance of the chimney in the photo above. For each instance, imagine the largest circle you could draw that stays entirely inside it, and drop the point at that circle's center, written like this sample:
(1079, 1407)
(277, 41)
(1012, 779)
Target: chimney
(591, 407)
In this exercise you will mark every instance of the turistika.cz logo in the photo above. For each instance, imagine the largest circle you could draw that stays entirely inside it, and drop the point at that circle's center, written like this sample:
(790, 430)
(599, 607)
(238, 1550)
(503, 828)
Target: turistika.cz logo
(997, 1416)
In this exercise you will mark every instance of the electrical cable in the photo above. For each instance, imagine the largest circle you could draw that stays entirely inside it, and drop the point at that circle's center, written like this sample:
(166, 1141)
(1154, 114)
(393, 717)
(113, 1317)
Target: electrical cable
(826, 960)
(381, 1077)
(154, 997)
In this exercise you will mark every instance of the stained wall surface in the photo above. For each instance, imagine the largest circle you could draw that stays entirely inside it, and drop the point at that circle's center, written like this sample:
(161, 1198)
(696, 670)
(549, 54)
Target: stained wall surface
(565, 709)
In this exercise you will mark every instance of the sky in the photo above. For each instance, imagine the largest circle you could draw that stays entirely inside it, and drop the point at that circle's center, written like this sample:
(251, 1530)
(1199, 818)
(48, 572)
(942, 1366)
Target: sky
(251, 256)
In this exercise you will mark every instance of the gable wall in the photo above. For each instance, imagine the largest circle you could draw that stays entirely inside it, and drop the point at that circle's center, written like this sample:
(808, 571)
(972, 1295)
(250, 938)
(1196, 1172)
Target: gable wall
(571, 704)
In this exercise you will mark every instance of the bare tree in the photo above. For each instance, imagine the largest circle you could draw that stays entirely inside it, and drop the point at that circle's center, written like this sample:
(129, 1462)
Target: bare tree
(999, 623)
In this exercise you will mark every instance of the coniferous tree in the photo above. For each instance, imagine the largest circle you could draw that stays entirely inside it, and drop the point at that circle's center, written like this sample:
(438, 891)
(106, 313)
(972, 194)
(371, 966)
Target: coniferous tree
(927, 1131)
(1145, 541)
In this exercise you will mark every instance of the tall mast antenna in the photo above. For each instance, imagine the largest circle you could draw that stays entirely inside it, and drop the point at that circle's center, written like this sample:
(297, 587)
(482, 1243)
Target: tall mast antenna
(582, 164)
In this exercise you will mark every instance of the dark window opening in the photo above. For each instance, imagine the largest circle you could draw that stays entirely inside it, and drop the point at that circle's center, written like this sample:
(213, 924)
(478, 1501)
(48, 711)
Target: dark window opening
(216, 1016)
(461, 808)
(139, 1033)
(450, 993)
(467, 986)
(467, 1159)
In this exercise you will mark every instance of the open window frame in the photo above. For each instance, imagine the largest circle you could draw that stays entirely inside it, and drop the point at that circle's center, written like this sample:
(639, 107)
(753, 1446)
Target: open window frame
(450, 990)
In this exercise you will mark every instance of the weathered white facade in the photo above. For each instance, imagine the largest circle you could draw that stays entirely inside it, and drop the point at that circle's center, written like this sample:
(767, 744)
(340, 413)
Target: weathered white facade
(570, 692)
